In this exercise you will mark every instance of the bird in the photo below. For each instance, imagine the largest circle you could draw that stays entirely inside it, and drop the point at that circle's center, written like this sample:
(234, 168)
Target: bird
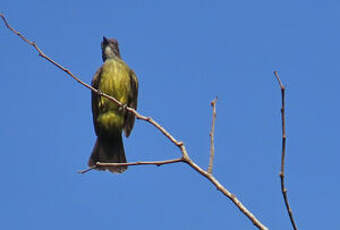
(114, 78)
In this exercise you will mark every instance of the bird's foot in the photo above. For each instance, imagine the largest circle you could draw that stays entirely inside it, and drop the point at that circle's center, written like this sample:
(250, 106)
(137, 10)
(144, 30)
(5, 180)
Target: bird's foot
(123, 107)
(99, 92)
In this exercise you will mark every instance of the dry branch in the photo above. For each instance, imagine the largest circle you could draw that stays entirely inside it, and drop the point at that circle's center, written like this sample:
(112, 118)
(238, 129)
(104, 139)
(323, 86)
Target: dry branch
(211, 134)
(156, 163)
(283, 155)
(185, 157)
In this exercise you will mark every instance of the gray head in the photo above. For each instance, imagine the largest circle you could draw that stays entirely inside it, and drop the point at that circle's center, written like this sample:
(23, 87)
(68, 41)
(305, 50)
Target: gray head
(110, 48)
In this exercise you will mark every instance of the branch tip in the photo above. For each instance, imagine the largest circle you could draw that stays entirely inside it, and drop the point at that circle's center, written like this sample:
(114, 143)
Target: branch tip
(283, 153)
(211, 134)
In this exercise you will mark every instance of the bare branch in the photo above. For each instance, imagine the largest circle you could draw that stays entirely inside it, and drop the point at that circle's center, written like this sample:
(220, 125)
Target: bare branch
(179, 144)
(156, 163)
(284, 137)
(228, 194)
(211, 134)
(86, 170)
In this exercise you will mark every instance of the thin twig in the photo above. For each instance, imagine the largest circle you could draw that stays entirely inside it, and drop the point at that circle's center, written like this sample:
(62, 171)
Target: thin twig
(211, 134)
(284, 137)
(157, 163)
(179, 144)
(86, 170)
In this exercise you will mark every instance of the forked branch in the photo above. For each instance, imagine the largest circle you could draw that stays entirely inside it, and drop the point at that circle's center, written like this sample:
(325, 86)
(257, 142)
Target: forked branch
(185, 157)
(283, 154)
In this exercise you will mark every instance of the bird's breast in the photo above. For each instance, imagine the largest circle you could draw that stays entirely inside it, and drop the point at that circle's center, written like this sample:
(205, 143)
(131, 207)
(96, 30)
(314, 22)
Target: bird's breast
(114, 81)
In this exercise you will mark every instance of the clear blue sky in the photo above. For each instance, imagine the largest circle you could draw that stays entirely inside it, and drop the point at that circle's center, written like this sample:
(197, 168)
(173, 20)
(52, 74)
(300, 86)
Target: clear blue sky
(184, 53)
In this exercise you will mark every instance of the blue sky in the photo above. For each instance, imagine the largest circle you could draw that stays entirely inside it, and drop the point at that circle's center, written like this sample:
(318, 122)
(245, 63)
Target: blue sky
(184, 53)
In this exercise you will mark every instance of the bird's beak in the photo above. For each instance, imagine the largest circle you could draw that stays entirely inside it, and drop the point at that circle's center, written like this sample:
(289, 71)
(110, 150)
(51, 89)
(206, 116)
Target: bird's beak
(105, 40)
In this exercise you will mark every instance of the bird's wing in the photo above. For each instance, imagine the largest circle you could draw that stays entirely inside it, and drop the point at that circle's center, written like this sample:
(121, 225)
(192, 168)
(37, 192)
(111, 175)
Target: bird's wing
(132, 102)
(96, 97)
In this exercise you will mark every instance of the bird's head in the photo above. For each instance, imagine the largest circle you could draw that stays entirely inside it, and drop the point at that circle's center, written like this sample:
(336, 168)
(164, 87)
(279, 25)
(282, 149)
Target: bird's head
(110, 48)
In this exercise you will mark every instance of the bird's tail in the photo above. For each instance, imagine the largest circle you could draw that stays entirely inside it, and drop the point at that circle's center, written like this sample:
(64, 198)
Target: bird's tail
(109, 150)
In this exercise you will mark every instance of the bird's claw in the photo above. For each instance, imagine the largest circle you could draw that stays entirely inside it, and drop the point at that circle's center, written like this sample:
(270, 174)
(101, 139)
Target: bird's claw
(99, 92)
(123, 107)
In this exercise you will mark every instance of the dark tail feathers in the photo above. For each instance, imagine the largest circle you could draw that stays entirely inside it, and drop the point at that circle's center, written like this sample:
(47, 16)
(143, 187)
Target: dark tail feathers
(109, 150)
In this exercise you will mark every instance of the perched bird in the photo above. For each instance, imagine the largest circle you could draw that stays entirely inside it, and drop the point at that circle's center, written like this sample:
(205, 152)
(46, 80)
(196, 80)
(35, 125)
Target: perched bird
(116, 79)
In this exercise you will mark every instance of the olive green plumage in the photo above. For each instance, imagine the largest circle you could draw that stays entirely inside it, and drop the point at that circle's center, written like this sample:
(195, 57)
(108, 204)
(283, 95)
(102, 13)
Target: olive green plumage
(116, 79)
